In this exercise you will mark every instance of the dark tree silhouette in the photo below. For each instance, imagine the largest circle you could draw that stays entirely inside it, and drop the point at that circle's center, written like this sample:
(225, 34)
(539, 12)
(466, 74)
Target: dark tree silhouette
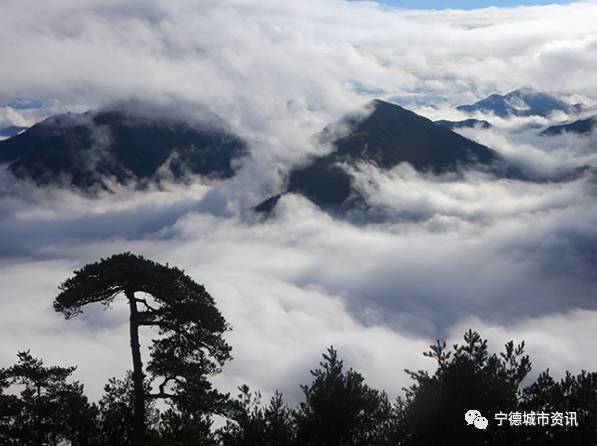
(48, 410)
(246, 423)
(280, 426)
(339, 408)
(9, 410)
(116, 413)
(190, 346)
(466, 378)
(570, 394)
(183, 428)
(39, 405)
(252, 425)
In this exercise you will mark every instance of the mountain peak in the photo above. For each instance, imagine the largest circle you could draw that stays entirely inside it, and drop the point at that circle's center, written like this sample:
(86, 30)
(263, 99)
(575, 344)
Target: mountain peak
(125, 142)
(580, 127)
(525, 91)
(525, 101)
(385, 137)
(391, 134)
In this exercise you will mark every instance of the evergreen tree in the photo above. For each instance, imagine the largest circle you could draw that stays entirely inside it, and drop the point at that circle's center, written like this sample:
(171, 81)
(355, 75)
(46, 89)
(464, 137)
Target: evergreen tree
(9, 412)
(190, 346)
(246, 423)
(47, 410)
(576, 394)
(279, 422)
(467, 378)
(252, 425)
(116, 413)
(183, 428)
(339, 408)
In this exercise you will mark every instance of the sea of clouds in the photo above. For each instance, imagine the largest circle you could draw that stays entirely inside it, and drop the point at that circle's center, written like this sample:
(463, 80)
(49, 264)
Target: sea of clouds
(513, 259)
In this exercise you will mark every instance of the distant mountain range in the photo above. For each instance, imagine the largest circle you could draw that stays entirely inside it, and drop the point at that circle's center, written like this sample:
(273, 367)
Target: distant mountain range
(465, 124)
(136, 142)
(580, 127)
(522, 102)
(123, 143)
(387, 136)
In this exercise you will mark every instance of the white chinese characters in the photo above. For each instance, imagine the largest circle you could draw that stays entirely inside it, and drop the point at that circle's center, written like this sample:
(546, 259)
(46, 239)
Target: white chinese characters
(542, 419)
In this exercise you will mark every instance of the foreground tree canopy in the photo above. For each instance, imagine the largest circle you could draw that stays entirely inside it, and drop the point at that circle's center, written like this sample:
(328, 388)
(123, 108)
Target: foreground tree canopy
(42, 405)
(338, 407)
(189, 346)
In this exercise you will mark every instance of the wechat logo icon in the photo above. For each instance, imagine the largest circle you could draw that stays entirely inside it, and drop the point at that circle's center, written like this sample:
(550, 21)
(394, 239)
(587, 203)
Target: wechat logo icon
(475, 418)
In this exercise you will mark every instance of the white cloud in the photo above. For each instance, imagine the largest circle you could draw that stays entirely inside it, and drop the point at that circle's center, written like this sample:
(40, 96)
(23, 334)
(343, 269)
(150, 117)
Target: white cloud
(451, 251)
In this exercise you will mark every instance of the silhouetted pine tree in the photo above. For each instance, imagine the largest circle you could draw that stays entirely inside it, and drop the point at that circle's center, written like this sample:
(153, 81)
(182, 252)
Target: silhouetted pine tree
(468, 377)
(47, 410)
(116, 414)
(251, 425)
(570, 394)
(246, 423)
(279, 422)
(339, 408)
(190, 347)
(180, 428)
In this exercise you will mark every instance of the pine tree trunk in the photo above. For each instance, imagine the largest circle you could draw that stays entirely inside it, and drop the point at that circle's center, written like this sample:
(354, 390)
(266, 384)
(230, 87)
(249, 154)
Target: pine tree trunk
(139, 392)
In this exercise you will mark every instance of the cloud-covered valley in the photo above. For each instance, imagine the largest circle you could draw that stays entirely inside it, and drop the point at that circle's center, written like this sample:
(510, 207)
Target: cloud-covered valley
(437, 254)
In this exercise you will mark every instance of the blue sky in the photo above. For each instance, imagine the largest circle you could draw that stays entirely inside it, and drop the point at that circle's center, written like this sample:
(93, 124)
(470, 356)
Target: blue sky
(465, 4)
